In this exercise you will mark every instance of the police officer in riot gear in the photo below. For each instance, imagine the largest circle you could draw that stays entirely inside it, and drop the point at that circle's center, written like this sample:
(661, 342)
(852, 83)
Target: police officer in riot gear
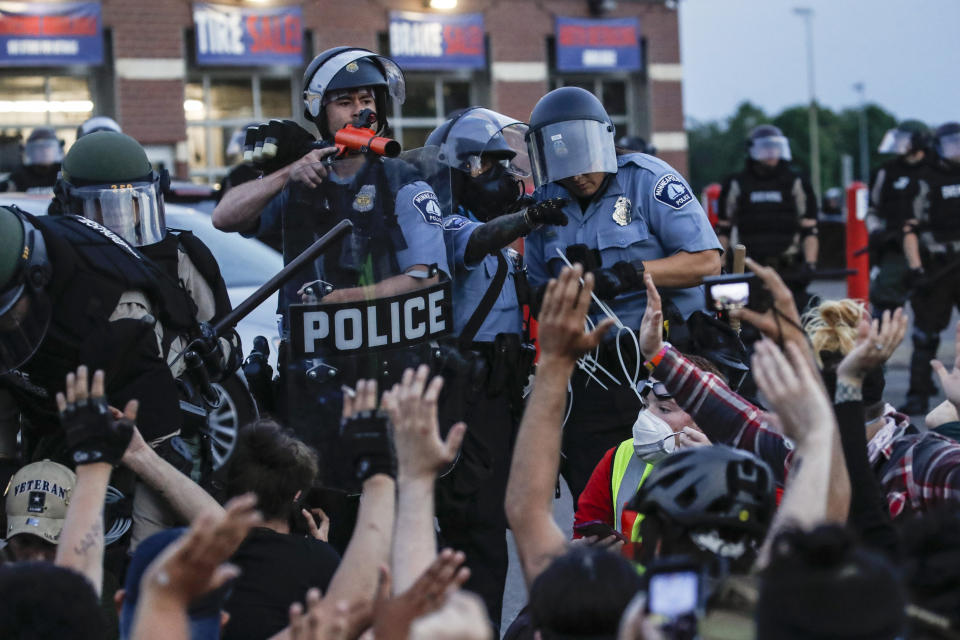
(628, 214)
(97, 123)
(42, 155)
(476, 162)
(892, 191)
(931, 245)
(773, 209)
(395, 248)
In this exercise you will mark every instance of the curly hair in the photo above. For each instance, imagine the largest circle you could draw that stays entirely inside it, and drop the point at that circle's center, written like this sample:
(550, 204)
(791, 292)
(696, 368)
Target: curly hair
(832, 326)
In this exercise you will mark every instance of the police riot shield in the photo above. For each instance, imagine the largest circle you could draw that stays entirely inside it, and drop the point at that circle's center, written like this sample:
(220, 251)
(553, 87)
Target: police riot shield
(374, 304)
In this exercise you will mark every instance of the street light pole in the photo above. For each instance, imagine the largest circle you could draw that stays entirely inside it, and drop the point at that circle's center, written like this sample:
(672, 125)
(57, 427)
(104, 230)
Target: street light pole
(807, 14)
(864, 149)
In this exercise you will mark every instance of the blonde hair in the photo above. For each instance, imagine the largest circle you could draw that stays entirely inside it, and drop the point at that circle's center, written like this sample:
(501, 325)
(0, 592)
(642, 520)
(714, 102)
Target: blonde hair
(832, 326)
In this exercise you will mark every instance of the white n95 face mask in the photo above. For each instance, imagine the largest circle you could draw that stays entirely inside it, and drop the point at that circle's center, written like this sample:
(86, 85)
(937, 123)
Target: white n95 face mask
(653, 439)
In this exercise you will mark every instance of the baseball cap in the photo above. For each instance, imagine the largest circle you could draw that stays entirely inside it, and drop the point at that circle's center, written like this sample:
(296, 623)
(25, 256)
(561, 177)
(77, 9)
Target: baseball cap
(204, 612)
(37, 498)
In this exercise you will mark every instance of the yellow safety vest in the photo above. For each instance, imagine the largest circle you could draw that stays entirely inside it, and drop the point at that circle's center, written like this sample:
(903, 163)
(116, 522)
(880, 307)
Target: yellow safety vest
(629, 472)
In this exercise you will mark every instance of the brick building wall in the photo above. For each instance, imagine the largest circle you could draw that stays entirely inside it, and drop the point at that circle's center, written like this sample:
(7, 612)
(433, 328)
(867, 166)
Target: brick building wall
(150, 58)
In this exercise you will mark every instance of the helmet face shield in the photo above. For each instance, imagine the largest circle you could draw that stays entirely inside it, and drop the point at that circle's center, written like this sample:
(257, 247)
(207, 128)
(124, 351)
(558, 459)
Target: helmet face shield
(770, 148)
(132, 211)
(895, 141)
(481, 138)
(42, 152)
(573, 147)
(313, 94)
(949, 147)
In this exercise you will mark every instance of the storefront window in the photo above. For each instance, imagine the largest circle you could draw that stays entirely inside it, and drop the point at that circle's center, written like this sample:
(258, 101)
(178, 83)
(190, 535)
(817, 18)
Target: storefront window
(30, 101)
(615, 93)
(217, 105)
(431, 98)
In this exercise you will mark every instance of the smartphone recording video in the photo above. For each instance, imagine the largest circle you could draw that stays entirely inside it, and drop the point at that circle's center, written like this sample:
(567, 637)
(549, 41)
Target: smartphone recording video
(736, 291)
(674, 594)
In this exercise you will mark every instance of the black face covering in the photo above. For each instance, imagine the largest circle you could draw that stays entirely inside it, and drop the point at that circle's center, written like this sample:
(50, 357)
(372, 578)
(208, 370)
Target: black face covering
(491, 194)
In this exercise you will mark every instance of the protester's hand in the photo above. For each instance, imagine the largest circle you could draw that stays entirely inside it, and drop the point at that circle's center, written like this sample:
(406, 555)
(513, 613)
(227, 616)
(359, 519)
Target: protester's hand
(950, 381)
(562, 315)
(365, 433)
(688, 438)
(314, 516)
(196, 563)
(93, 435)
(781, 323)
(310, 170)
(412, 405)
(876, 342)
(609, 543)
(137, 444)
(941, 414)
(651, 326)
(392, 616)
(322, 620)
(793, 388)
(547, 212)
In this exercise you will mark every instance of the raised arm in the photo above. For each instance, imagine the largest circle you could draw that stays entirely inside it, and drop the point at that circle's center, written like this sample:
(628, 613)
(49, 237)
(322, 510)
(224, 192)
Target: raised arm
(536, 457)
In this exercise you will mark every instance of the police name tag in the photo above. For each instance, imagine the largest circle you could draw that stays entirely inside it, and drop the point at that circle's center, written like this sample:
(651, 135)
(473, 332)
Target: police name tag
(372, 325)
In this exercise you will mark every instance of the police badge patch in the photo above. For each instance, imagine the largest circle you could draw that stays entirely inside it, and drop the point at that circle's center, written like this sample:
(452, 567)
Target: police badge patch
(455, 222)
(36, 501)
(429, 207)
(671, 191)
(621, 211)
(363, 202)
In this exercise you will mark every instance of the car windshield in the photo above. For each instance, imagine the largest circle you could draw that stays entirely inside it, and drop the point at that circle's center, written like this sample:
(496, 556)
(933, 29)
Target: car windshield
(243, 262)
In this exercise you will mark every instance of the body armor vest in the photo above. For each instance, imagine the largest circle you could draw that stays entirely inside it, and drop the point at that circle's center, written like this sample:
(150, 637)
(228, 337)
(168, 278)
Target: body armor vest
(943, 214)
(767, 218)
(895, 205)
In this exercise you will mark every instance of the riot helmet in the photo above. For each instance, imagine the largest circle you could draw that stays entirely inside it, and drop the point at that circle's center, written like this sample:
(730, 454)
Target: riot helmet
(107, 177)
(718, 498)
(488, 156)
(97, 123)
(907, 137)
(947, 141)
(25, 271)
(43, 148)
(570, 134)
(636, 143)
(766, 143)
(347, 68)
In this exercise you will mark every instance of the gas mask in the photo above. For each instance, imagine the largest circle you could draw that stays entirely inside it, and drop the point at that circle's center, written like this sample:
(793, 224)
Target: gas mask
(492, 193)
(653, 439)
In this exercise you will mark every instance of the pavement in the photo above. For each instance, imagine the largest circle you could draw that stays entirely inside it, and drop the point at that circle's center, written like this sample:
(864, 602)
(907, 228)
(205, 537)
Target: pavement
(897, 382)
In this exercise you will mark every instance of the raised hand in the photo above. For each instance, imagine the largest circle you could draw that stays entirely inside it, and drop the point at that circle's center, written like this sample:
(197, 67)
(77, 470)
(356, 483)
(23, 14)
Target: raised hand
(651, 326)
(562, 316)
(876, 342)
(950, 380)
(781, 323)
(365, 433)
(412, 405)
(92, 432)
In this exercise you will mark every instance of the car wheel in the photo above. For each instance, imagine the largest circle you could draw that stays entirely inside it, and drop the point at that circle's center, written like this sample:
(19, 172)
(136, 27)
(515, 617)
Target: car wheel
(237, 408)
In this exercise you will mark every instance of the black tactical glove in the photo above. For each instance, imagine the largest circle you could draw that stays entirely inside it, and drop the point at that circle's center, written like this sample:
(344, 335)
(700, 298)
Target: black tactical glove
(806, 273)
(369, 445)
(276, 144)
(587, 257)
(620, 278)
(915, 279)
(546, 212)
(92, 434)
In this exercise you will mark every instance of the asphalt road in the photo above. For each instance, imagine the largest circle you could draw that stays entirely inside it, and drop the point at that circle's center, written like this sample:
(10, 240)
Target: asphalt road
(897, 378)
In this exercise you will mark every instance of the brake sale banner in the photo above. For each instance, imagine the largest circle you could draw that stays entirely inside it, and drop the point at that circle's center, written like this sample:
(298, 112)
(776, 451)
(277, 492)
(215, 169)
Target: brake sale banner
(248, 36)
(598, 45)
(45, 34)
(430, 41)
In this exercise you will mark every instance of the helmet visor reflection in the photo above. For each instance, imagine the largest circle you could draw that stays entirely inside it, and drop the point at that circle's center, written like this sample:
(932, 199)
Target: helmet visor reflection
(132, 211)
(42, 152)
(895, 141)
(949, 146)
(566, 149)
(770, 148)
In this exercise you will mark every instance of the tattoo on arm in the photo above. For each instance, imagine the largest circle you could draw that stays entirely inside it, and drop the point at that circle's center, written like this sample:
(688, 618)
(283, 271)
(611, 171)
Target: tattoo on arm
(847, 393)
(90, 539)
(494, 235)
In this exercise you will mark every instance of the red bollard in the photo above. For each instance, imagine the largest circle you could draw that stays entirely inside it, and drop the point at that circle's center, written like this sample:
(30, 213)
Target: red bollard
(858, 284)
(708, 200)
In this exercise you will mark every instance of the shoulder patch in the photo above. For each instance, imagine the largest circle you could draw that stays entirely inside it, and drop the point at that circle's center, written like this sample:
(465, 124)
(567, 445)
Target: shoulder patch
(671, 191)
(429, 207)
(452, 223)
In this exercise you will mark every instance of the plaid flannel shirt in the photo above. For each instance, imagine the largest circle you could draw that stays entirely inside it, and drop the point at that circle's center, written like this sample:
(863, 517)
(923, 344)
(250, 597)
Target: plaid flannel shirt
(723, 415)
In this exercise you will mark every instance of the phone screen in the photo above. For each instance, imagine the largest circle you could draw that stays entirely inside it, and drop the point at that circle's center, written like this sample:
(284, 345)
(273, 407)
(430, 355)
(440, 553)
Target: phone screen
(730, 295)
(674, 594)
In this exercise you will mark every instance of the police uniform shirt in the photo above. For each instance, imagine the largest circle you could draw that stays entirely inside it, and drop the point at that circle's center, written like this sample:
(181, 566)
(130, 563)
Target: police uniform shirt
(937, 208)
(891, 195)
(419, 220)
(471, 282)
(647, 212)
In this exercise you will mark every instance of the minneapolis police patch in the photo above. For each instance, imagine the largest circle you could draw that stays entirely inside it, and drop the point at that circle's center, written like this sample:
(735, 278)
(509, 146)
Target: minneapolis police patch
(429, 207)
(671, 191)
(452, 223)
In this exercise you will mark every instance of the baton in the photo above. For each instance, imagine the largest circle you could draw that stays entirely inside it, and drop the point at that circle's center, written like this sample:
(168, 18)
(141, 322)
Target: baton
(272, 285)
(739, 257)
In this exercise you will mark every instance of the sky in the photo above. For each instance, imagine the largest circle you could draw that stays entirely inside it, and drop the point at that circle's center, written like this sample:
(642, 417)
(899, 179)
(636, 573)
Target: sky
(906, 52)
